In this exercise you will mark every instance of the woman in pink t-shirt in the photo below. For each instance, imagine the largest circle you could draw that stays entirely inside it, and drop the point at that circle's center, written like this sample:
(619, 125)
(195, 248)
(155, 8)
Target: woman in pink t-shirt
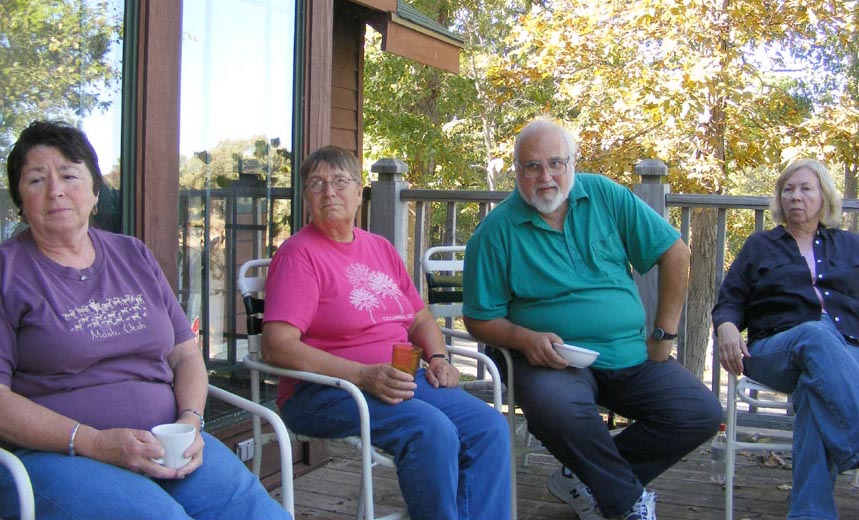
(337, 299)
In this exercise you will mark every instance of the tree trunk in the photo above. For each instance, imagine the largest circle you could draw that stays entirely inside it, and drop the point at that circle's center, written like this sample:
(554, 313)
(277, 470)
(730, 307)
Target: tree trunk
(701, 297)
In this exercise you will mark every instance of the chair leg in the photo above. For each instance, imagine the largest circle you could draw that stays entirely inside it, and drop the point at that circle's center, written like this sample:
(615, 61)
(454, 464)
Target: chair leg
(511, 421)
(361, 502)
(257, 424)
(730, 453)
(526, 458)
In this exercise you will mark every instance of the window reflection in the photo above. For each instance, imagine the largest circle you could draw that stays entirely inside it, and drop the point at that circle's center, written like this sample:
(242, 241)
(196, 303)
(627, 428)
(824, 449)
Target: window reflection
(63, 61)
(235, 165)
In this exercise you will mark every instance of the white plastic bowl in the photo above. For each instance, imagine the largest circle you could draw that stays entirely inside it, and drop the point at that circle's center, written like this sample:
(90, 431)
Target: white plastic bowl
(576, 356)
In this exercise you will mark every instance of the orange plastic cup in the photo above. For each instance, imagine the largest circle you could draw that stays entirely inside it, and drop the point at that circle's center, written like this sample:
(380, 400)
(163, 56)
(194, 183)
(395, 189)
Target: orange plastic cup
(406, 357)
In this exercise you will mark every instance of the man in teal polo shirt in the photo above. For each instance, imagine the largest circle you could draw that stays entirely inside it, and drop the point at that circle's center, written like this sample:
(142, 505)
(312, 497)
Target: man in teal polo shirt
(553, 264)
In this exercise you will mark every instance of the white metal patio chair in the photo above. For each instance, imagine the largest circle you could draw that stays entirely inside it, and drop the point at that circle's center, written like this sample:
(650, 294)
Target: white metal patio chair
(252, 288)
(755, 394)
(444, 296)
(444, 280)
(26, 502)
(747, 390)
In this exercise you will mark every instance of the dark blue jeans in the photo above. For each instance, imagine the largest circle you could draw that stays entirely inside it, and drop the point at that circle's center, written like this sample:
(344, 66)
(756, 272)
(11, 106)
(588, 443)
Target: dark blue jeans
(813, 361)
(673, 411)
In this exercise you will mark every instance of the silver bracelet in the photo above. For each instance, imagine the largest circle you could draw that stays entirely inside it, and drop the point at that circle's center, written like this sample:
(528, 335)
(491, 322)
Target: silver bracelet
(198, 414)
(72, 439)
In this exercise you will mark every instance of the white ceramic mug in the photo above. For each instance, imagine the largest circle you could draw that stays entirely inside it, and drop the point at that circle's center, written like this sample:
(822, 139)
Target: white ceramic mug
(175, 439)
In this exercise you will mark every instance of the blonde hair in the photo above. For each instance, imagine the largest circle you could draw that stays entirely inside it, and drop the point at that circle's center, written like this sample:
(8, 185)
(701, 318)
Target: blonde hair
(830, 213)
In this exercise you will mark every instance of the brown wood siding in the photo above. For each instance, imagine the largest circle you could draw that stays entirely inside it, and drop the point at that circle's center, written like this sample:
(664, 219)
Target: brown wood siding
(423, 48)
(380, 5)
(346, 119)
(344, 98)
(343, 118)
(318, 64)
(156, 179)
(360, 113)
(347, 139)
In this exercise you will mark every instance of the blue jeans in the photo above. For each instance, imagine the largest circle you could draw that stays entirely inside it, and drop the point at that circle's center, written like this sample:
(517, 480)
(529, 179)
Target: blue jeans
(83, 488)
(452, 451)
(673, 412)
(814, 363)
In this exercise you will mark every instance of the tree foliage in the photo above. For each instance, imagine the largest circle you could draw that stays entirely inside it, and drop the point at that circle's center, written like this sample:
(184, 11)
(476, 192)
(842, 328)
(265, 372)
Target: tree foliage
(700, 84)
(54, 61)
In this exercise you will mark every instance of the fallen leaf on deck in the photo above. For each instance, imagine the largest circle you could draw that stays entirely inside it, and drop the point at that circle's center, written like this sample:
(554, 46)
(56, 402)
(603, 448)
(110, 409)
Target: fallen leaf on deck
(756, 437)
(784, 487)
(774, 459)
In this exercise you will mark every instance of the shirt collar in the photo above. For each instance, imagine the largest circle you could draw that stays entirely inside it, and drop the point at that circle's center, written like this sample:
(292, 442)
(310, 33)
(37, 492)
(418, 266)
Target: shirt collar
(779, 232)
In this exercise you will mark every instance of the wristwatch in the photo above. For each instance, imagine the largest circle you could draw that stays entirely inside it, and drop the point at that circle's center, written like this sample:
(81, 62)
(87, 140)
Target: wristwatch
(659, 334)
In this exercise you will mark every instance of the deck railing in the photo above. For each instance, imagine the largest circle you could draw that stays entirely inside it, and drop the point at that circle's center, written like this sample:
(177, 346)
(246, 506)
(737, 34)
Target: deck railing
(418, 219)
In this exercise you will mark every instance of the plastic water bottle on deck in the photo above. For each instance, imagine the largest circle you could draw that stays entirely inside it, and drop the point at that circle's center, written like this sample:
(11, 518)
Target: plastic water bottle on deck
(718, 448)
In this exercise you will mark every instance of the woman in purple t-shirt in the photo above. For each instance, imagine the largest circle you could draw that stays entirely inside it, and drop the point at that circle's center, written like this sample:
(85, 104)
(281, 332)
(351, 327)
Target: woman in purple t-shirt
(95, 351)
(337, 299)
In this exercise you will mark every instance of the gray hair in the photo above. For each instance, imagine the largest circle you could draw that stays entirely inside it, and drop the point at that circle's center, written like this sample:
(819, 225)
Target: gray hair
(335, 157)
(546, 123)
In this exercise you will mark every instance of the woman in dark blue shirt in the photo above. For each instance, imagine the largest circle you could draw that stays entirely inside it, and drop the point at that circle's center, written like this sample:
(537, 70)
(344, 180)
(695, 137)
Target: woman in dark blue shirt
(796, 289)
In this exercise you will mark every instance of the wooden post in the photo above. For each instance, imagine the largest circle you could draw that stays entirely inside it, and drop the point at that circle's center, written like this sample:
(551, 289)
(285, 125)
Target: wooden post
(388, 213)
(652, 191)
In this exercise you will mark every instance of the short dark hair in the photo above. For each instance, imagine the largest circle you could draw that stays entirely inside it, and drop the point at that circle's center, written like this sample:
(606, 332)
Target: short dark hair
(70, 141)
(335, 157)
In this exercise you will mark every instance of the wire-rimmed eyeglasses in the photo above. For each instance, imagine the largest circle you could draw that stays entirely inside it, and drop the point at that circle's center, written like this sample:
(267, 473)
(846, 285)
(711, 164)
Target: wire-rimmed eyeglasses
(555, 166)
(318, 185)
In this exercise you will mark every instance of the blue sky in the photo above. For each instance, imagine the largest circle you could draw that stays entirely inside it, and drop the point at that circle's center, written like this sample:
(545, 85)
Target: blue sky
(237, 59)
(236, 77)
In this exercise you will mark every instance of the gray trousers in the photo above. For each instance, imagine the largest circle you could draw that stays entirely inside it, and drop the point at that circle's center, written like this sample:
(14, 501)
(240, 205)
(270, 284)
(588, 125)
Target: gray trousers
(673, 412)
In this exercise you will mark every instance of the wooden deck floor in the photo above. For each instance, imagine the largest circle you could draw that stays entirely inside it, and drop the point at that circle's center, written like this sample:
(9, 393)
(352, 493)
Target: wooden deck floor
(683, 493)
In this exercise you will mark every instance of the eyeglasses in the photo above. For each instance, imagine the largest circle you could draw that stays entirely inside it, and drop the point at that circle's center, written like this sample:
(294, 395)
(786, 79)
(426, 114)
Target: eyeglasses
(555, 167)
(318, 185)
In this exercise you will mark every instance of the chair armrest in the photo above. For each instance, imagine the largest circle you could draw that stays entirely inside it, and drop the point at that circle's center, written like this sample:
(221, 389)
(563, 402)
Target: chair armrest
(26, 502)
(352, 389)
(490, 366)
(508, 360)
(284, 444)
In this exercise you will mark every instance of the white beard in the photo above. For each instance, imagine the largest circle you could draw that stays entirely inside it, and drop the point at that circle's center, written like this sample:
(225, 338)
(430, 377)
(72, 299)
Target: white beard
(550, 201)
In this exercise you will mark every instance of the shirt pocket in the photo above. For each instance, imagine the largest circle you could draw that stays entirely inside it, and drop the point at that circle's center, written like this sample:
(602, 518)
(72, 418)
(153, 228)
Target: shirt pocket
(610, 255)
(844, 274)
(776, 271)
